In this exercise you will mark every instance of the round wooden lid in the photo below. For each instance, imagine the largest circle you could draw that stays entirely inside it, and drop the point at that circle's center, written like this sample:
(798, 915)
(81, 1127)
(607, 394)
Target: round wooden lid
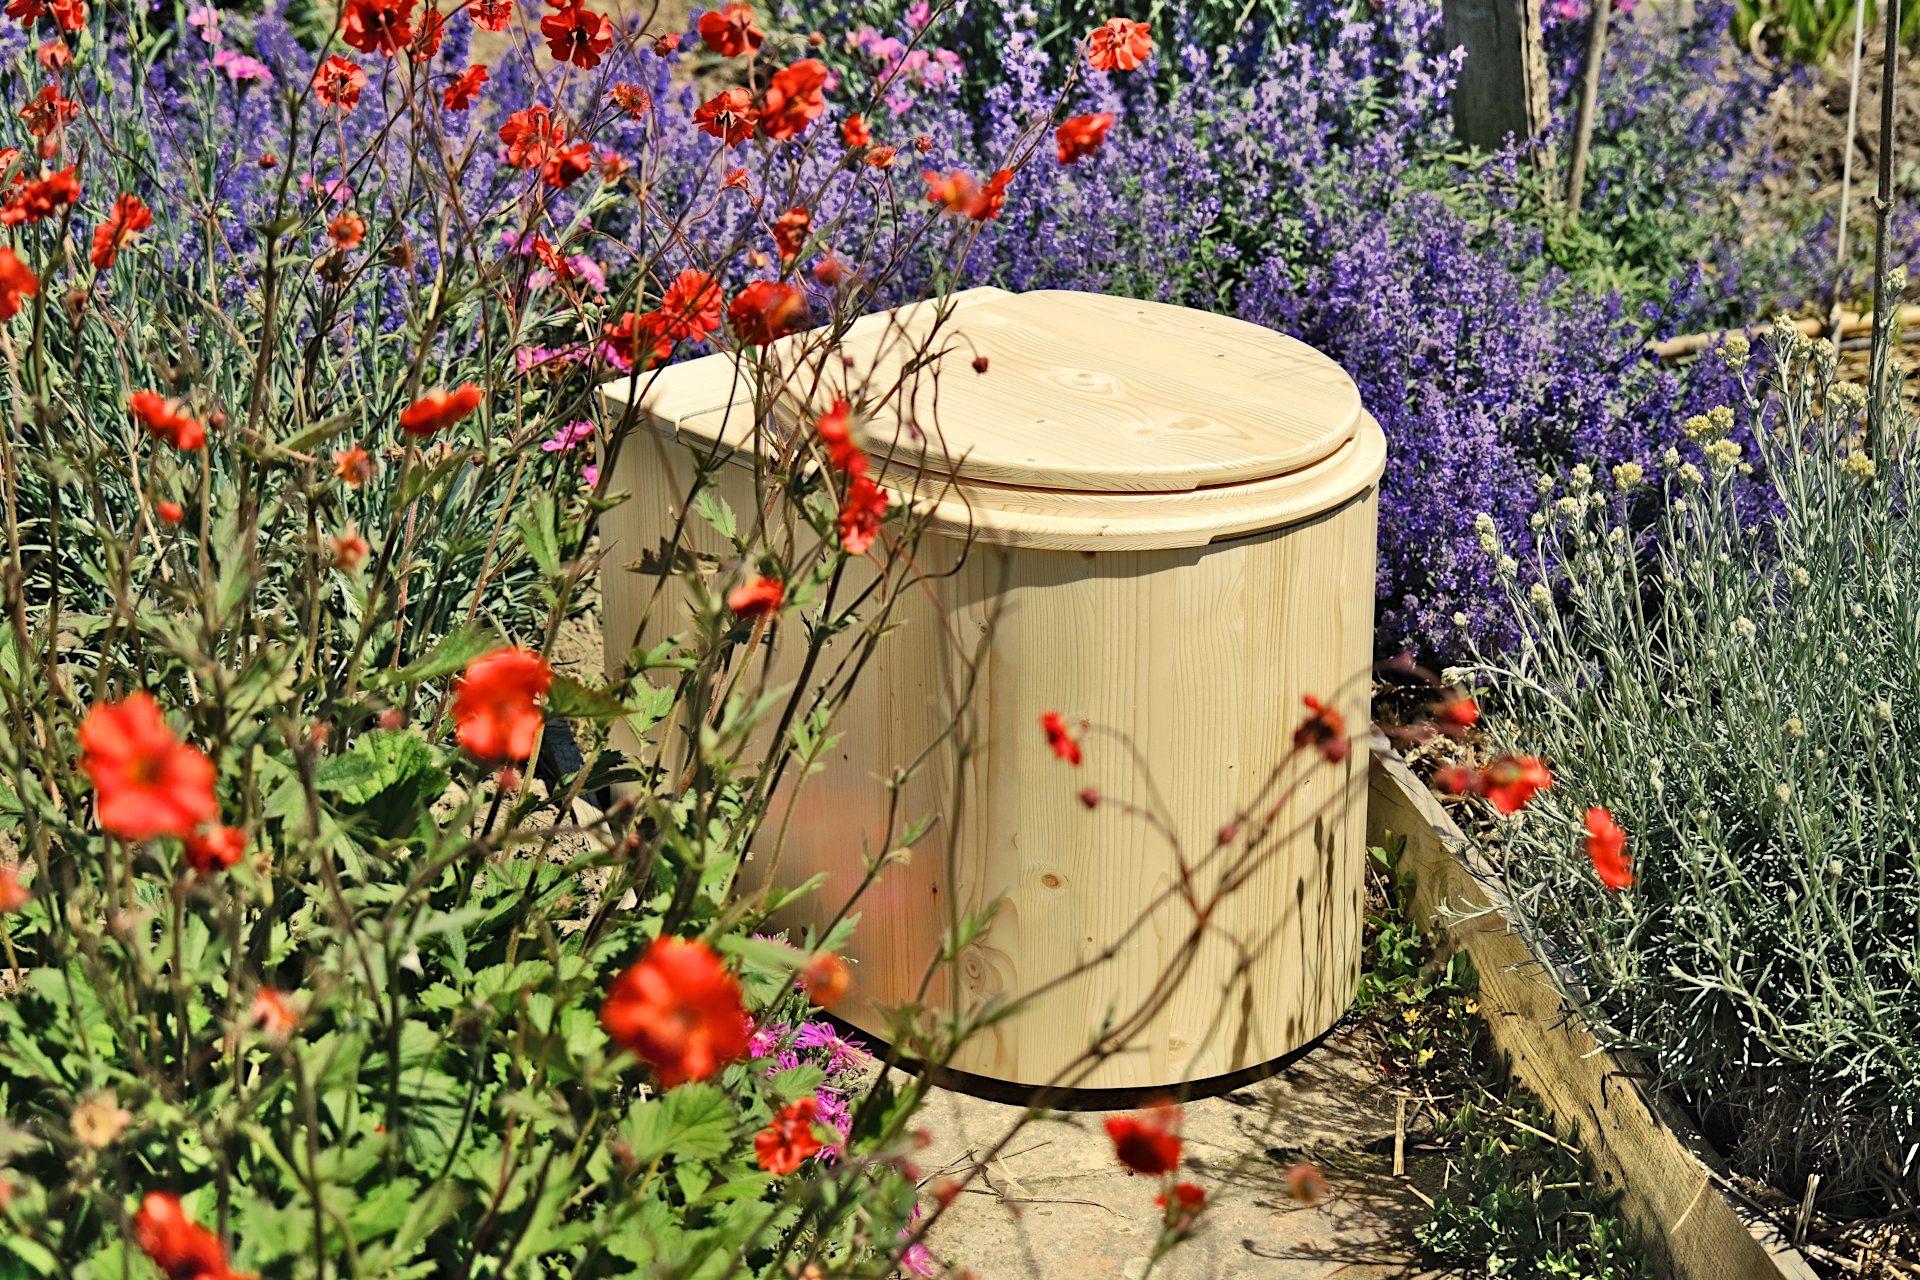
(1098, 394)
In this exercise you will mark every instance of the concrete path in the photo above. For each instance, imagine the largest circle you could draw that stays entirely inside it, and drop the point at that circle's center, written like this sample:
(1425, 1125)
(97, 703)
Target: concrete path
(1057, 1206)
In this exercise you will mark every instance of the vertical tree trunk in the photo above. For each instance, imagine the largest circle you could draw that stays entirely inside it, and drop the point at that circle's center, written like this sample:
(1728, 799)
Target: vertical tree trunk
(1502, 88)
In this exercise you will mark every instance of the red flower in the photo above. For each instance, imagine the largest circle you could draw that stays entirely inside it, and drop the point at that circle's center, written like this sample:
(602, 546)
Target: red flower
(353, 467)
(861, 510)
(880, 158)
(48, 110)
(1119, 45)
(496, 704)
(957, 192)
(666, 44)
(767, 310)
(826, 979)
(1150, 1143)
(1510, 782)
(350, 551)
(382, 26)
(639, 339)
(567, 165)
(1607, 846)
(794, 99)
(551, 260)
(1306, 1184)
(180, 1247)
(169, 512)
(491, 15)
(42, 198)
(830, 271)
(691, 306)
(14, 893)
(679, 1011)
(729, 116)
(70, 14)
(631, 98)
(163, 417)
(26, 12)
(1082, 136)
(438, 410)
(790, 232)
(854, 132)
(130, 216)
(1456, 713)
(1325, 730)
(215, 849)
(1188, 1200)
(756, 599)
(54, 55)
(433, 27)
(461, 93)
(149, 782)
(1062, 743)
(578, 35)
(835, 432)
(16, 281)
(337, 83)
(731, 31)
(530, 135)
(993, 197)
(274, 1014)
(347, 230)
(782, 1145)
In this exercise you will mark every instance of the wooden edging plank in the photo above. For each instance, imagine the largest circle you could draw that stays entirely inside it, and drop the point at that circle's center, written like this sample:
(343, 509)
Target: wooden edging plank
(1670, 1181)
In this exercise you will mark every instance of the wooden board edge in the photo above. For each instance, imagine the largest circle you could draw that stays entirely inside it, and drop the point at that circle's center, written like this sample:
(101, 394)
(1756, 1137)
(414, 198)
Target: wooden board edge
(1672, 1184)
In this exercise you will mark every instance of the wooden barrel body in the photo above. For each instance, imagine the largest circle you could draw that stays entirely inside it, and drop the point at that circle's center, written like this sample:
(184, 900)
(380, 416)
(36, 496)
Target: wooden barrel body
(1178, 632)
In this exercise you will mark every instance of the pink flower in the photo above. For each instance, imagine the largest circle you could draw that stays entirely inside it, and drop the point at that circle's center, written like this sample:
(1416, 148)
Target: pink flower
(239, 67)
(207, 19)
(590, 475)
(567, 437)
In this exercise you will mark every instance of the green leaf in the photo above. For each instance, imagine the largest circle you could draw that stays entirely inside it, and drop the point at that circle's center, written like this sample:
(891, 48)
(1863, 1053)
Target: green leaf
(380, 759)
(692, 1122)
(537, 530)
(455, 650)
(799, 1082)
(319, 433)
(32, 1254)
(576, 701)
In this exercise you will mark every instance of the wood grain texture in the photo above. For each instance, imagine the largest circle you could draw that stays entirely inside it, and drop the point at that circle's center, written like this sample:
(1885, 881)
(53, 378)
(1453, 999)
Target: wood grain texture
(1189, 623)
(694, 404)
(1502, 86)
(1198, 656)
(1671, 1182)
(1084, 392)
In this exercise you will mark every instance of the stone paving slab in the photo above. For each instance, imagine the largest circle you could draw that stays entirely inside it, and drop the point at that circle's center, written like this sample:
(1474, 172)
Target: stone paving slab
(1057, 1206)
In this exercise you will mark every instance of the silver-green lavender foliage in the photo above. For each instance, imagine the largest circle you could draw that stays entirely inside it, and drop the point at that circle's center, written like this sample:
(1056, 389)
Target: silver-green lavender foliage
(1739, 685)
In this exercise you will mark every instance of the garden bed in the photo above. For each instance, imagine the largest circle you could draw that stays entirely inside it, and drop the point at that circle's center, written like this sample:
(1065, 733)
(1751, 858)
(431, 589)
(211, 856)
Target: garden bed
(1670, 1181)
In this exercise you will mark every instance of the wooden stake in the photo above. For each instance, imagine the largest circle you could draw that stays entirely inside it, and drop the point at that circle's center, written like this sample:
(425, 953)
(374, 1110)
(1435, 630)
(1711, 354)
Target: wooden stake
(1883, 211)
(1589, 100)
(1502, 89)
(1400, 1138)
(1805, 1216)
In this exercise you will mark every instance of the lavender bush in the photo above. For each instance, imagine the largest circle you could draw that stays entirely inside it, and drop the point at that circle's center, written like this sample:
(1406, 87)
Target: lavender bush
(1317, 189)
(1319, 194)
